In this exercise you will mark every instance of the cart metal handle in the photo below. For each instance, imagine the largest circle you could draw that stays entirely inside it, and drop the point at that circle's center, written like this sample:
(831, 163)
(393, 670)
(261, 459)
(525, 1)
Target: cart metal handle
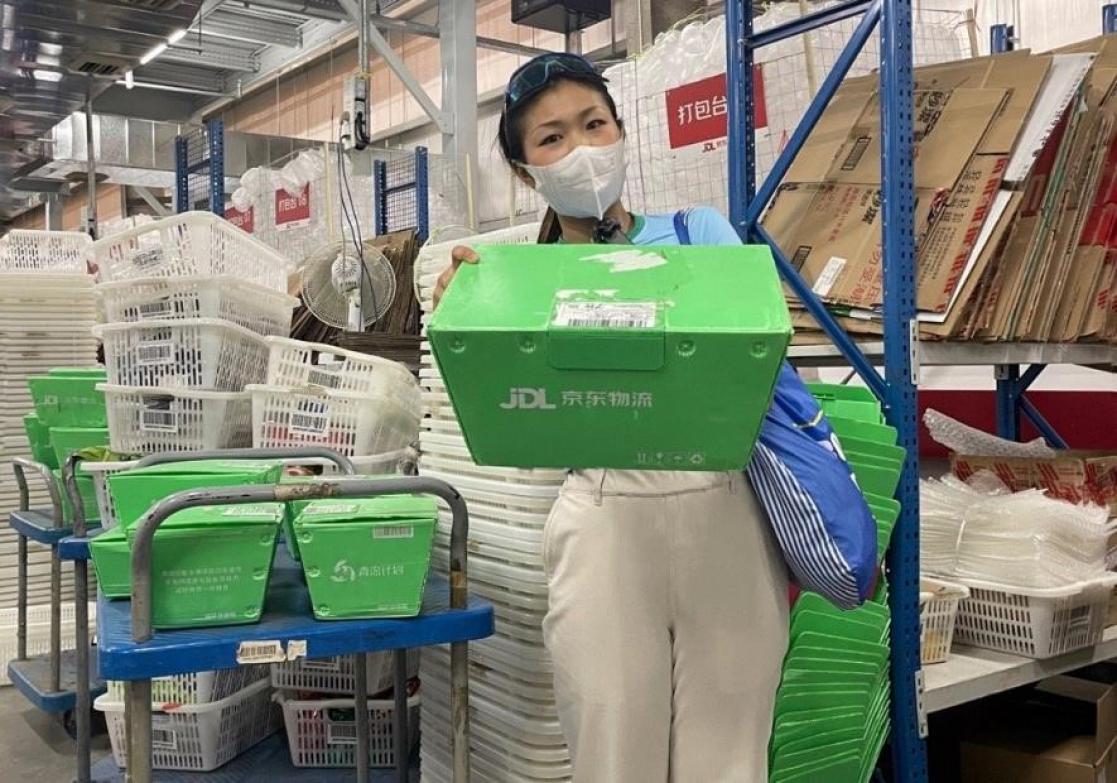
(282, 493)
(307, 452)
(22, 464)
(70, 487)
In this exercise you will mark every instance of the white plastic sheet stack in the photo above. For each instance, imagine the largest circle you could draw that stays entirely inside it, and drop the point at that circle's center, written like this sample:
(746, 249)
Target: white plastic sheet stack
(47, 311)
(662, 178)
(515, 730)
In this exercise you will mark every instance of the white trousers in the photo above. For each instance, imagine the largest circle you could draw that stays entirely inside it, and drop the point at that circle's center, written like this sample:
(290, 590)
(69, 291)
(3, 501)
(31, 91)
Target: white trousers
(668, 625)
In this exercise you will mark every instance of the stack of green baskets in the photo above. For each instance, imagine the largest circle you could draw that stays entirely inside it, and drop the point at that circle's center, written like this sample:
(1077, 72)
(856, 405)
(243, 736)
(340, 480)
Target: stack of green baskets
(135, 491)
(831, 717)
(69, 416)
(366, 558)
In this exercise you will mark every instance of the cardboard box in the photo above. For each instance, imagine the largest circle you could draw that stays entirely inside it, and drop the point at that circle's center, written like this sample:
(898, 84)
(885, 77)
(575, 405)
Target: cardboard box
(1061, 732)
(1077, 476)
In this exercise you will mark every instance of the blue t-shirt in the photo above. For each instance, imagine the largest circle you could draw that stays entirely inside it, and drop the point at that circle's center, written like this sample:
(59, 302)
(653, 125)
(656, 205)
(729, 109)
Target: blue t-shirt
(707, 226)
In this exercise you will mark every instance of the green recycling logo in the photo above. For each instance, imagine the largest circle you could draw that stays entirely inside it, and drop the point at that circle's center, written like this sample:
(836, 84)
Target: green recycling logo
(343, 572)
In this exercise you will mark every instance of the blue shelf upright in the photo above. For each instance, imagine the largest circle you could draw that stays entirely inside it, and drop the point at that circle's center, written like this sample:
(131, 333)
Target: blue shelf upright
(200, 169)
(401, 193)
(897, 390)
(1109, 18)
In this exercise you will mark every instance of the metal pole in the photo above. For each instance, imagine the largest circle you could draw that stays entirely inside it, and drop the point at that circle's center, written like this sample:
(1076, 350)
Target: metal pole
(909, 753)
(344, 464)
(137, 713)
(360, 707)
(402, 733)
(808, 52)
(1008, 400)
(741, 121)
(457, 21)
(81, 623)
(362, 37)
(1002, 38)
(91, 161)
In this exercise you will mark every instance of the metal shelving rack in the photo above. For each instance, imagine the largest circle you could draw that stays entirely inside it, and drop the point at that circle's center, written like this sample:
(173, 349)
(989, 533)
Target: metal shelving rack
(897, 389)
(972, 674)
(401, 194)
(200, 169)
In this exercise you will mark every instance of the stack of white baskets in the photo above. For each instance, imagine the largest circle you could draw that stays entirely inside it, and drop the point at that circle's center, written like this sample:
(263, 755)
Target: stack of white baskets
(515, 730)
(47, 309)
(362, 406)
(188, 301)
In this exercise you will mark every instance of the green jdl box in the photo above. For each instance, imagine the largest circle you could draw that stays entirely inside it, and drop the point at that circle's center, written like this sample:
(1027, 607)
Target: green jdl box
(112, 560)
(367, 557)
(67, 397)
(210, 564)
(581, 356)
(135, 491)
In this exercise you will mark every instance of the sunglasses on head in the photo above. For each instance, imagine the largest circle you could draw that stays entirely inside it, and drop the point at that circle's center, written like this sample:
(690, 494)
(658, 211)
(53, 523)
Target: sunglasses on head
(538, 72)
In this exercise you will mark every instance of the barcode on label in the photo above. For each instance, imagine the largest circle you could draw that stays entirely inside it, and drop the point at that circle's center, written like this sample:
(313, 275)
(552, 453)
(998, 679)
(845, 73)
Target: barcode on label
(309, 423)
(322, 664)
(394, 531)
(341, 733)
(158, 421)
(270, 651)
(161, 352)
(607, 315)
(163, 739)
(320, 377)
(156, 309)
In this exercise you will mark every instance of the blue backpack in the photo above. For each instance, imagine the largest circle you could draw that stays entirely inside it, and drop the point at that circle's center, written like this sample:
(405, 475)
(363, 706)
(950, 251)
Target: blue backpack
(800, 476)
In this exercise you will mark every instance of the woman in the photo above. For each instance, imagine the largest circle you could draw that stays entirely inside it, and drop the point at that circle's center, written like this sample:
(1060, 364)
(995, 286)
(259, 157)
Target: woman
(668, 617)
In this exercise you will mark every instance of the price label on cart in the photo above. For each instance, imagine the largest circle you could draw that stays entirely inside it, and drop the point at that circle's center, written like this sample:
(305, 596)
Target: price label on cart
(292, 211)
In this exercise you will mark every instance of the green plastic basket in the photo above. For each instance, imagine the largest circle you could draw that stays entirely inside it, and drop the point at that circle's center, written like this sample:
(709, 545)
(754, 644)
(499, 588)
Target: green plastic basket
(135, 491)
(873, 477)
(66, 440)
(112, 560)
(210, 565)
(852, 428)
(367, 558)
(88, 498)
(69, 400)
(38, 436)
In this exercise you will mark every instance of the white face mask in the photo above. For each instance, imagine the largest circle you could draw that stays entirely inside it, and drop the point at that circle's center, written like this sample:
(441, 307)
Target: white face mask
(585, 183)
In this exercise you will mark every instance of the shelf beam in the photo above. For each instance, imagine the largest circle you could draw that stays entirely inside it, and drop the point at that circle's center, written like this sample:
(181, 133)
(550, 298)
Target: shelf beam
(805, 24)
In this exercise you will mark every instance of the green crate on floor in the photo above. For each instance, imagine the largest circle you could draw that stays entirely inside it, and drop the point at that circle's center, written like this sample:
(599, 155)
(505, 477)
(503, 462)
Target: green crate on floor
(135, 491)
(210, 564)
(88, 498)
(367, 558)
(66, 440)
(589, 356)
(67, 397)
(112, 560)
(38, 437)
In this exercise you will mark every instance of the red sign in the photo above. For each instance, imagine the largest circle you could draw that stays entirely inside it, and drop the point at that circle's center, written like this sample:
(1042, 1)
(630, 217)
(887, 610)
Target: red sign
(245, 221)
(292, 211)
(696, 112)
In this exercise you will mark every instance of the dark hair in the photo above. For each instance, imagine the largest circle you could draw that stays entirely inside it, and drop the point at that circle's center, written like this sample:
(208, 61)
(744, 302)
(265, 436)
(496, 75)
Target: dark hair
(510, 134)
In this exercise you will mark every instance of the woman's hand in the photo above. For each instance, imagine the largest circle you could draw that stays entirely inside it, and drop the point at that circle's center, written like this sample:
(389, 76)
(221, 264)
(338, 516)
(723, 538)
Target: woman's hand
(458, 256)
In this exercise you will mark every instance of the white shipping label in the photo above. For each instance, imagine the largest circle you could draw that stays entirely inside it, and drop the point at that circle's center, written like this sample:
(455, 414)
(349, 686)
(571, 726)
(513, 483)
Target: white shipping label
(829, 275)
(341, 733)
(155, 352)
(394, 531)
(266, 651)
(162, 737)
(158, 421)
(296, 648)
(608, 315)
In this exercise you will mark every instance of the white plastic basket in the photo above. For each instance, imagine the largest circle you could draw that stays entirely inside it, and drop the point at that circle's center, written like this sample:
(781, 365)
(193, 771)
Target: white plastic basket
(335, 675)
(323, 732)
(938, 609)
(38, 632)
(200, 353)
(26, 250)
(349, 423)
(196, 687)
(199, 737)
(99, 471)
(187, 245)
(150, 420)
(292, 363)
(253, 306)
(1034, 623)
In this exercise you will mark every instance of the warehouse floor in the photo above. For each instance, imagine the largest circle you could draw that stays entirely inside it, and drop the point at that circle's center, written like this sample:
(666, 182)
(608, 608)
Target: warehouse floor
(34, 746)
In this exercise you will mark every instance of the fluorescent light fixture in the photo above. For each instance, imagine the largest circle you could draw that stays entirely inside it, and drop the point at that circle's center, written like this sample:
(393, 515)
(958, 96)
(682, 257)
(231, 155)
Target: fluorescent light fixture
(47, 76)
(129, 81)
(155, 52)
(176, 36)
